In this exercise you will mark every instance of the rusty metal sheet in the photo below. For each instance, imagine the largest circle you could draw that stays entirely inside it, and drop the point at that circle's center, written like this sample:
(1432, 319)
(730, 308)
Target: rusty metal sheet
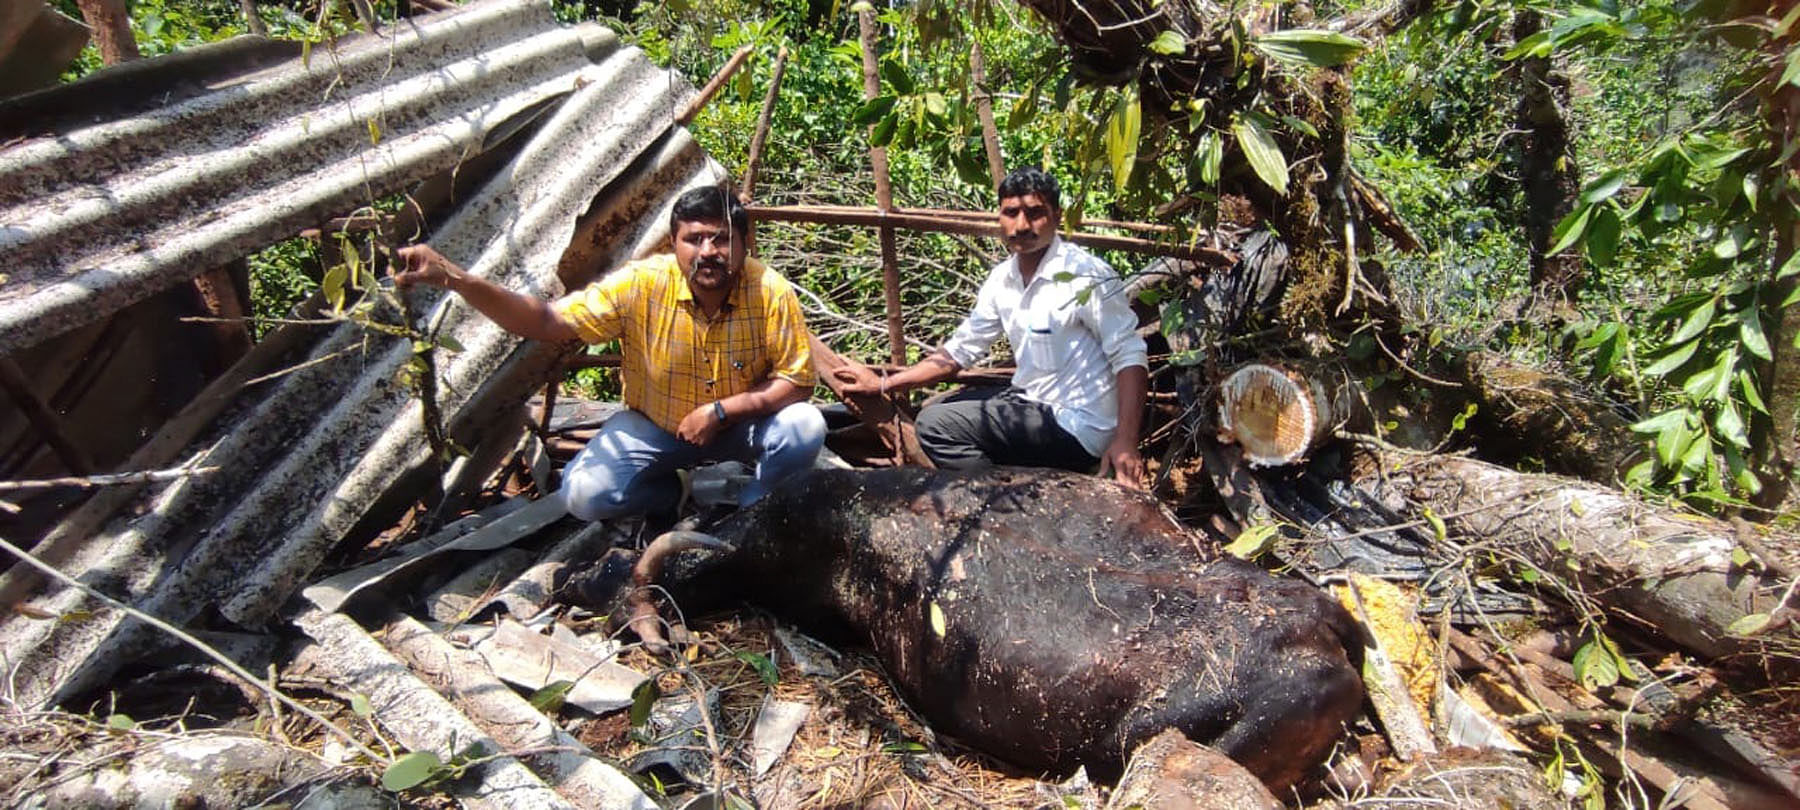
(311, 453)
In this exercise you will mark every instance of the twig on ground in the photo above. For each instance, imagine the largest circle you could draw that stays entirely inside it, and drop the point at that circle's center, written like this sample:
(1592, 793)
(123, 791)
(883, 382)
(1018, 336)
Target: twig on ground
(111, 479)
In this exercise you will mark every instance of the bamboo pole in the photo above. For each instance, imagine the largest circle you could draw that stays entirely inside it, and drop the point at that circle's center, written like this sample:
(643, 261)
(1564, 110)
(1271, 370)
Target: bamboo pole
(884, 196)
(713, 86)
(968, 226)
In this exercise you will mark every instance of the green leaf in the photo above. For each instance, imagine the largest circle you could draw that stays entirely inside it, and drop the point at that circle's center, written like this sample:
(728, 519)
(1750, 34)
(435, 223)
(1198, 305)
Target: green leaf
(883, 133)
(1661, 421)
(332, 285)
(1750, 334)
(1697, 321)
(1603, 187)
(1748, 624)
(1705, 156)
(1699, 453)
(896, 77)
(450, 344)
(1460, 421)
(1168, 42)
(374, 133)
(1594, 667)
(1122, 134)
(1601, 334)
(1710, 385)
(410, 771)
(1026, 109)
(1672, 444)
(360, 706)
(549, 699)
(1253, 541)
(1212, 155)
(1730, 425)
(936, 105)
(642, 699)
(1733, 241)
(1537, 44)
(1603, 237)
(1438, 530)
(872, 110)
(1747, 389)
(1569, 229)
(1309, 47)
(765, 668)
(1261, 150)
(1673, 360)
(1789, 267)
(1741, 475)
(120, 722)
(1792, 74)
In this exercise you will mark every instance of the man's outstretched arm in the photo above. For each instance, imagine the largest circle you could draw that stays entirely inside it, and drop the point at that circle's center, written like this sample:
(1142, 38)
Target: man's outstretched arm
(523, 315)
(1121, 458)
(935, 368)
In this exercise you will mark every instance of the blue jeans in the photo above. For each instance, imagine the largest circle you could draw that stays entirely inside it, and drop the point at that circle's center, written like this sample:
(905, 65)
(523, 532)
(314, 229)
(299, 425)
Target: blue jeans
(629, 467)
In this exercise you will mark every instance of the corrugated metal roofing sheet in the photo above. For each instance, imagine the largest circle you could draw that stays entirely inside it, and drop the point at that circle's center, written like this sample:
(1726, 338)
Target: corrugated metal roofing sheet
(304, 460)
(98, 217)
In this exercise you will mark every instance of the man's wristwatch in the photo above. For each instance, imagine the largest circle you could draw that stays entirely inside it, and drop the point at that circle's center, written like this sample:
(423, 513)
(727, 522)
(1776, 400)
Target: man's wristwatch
(719, 410)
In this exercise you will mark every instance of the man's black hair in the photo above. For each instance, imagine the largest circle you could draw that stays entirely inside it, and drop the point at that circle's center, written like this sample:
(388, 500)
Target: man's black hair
(1032, 180)
(710, 204)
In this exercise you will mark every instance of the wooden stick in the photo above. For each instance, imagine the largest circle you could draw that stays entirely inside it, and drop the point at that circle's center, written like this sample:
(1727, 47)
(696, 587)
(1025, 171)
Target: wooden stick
(984, 112)
(107, 480)
(80, 525)
(910, 220)
(48, 423)
(713, 86)
(366, 14)
(112, 29)
(757, 141)
(876, 411)
(252, 18)
(884, 195)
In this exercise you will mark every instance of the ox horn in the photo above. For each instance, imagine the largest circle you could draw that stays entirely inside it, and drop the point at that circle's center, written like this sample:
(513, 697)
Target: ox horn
(644, 619)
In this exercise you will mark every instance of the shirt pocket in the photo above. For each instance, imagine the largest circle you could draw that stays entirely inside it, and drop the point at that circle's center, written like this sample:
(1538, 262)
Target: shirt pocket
(1042, 346)
(747, 366)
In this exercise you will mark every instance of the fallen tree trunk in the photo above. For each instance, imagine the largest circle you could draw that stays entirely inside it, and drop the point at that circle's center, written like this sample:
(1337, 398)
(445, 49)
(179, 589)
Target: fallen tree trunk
(1669, 571)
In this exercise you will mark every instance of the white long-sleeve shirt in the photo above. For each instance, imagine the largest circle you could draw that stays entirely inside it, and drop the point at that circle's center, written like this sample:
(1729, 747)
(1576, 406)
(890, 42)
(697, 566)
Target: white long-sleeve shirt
(1072, 332)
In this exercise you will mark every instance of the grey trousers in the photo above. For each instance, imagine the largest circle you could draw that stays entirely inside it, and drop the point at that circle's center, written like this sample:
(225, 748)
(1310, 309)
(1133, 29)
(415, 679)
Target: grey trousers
(976, 427)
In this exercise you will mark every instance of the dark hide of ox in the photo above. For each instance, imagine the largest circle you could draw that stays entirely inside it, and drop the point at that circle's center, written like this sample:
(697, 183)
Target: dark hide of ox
(1048, 619)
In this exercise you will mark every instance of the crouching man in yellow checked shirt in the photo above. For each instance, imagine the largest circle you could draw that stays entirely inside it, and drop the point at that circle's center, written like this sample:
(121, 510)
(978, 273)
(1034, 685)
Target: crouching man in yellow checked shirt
(715, 360)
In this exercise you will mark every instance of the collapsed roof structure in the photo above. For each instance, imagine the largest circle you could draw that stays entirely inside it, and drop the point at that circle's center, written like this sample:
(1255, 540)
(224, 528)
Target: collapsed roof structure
(538, 155)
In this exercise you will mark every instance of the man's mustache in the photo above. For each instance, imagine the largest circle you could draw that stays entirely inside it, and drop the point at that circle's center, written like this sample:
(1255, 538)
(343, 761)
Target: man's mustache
(711, 264)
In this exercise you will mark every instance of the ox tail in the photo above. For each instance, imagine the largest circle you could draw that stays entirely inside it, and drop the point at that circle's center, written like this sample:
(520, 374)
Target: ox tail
(640, 605)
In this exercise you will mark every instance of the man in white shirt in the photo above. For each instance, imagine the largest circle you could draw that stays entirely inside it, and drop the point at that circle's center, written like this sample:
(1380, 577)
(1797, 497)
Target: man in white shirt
(1077, 397)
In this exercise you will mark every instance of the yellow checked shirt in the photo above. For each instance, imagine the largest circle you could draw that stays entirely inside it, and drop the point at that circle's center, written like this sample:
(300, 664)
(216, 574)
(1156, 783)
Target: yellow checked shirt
(674, 359)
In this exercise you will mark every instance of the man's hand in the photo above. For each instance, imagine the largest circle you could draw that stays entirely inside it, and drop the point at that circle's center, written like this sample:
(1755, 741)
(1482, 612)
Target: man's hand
(700, 426)
(858, 379)
(421, 264)
(1121, 459)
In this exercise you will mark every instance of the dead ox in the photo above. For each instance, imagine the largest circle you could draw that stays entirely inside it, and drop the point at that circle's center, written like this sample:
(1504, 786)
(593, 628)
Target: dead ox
(1048, 619)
